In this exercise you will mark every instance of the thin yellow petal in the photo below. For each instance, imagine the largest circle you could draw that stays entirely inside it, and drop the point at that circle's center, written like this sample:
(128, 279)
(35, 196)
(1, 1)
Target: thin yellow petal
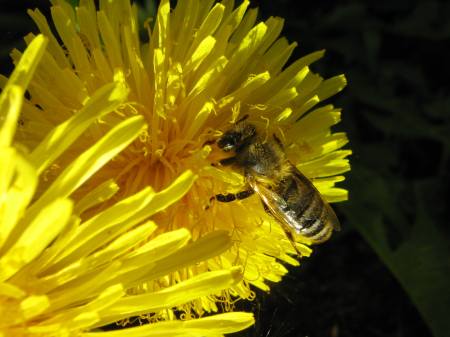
(208, 26)
(54, 48)
(327, 165)
(204, 48)
(106, 99)
(331, 86)
(196, 287)
(164, 244)
(313, 123)
(110, 41)
(10, 105)
(168, 196)
(11, 97)
(10, 290)
(244, 52)
(34, 305)
(26, 67)
(209, 326)
(335, 194)
(45, 226)
(18, 185)
(82, 317)
(246, 24)
(93, 159)
(158, 251)
(110, 252)
(102, 228)
(199, 250)
(98, 195)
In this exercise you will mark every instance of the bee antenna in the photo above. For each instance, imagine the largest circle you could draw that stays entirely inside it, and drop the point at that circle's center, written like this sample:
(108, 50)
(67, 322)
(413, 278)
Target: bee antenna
(242, 119)
(280, 144)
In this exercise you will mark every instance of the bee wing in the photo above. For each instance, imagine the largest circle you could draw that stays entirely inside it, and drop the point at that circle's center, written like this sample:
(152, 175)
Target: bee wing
(276, 204)
(331, 216)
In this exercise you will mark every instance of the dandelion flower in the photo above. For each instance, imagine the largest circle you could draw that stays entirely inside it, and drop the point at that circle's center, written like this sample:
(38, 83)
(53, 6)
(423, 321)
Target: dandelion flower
(64, 272)
(203, 66)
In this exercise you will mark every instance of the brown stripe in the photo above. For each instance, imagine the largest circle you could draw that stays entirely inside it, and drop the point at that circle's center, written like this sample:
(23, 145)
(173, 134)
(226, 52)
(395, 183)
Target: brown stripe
(324, 235)
(318, 227)
(311, 213)
(304, 202)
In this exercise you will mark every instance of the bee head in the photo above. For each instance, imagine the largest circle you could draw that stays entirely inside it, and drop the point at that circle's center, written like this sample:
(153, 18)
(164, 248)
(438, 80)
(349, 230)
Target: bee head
(238, 136)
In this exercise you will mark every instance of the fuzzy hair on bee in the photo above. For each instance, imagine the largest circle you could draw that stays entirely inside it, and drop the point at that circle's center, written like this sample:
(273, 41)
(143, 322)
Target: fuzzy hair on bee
(285, 192)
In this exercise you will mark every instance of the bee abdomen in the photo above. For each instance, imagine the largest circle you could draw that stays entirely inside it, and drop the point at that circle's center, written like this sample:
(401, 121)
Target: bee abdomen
(313, 220)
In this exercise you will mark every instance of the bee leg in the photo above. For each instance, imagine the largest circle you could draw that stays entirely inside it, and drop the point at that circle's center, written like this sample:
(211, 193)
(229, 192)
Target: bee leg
(233, 196)
(208, 142)
(292, 241)
(228, 161)
(241, 119)
(280, 144)
(287, 231)
(266, 208)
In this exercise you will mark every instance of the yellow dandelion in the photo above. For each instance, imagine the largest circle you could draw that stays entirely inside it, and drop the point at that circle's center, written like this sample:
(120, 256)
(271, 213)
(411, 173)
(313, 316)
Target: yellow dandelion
(64, 272)
(205, 65)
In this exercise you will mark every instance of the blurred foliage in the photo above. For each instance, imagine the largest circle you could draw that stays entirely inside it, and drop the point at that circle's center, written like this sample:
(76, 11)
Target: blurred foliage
(397, 115)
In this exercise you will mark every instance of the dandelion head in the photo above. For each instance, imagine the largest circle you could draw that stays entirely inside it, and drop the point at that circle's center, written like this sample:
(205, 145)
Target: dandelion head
(201, 67)
(65, 273)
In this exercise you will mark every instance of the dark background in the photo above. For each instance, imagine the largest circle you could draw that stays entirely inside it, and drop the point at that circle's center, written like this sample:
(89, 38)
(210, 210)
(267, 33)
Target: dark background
(387, 272)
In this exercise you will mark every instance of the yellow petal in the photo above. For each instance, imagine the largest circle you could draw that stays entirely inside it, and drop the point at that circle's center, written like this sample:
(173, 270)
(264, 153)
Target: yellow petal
(208, 26)
(34, 305)
(10, 104)
(45, 226)
(93, 159)
(11, 97)
(208, 326)
(106, 99)
(110, 41)
(327, 165)
(54, 47)
(18, 184)
(26, 67)
(198, 286)
(98, 195)
(82, 317)
(217, 241)
(10, 290)
(85, 264)
(102, 228)
(168, 196)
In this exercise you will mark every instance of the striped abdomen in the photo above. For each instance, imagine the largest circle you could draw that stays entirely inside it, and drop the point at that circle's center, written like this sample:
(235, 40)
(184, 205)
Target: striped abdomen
(305, 212)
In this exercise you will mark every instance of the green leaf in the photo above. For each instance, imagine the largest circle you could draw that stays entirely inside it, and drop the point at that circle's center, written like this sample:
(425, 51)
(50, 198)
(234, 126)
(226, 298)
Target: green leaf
(417, 253)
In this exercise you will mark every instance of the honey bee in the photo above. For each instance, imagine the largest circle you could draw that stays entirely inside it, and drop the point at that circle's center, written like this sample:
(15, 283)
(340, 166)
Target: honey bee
(285, 192)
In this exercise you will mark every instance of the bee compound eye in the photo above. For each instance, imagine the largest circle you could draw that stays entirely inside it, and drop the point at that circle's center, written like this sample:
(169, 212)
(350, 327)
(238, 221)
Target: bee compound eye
(227, 142)
(221, 143)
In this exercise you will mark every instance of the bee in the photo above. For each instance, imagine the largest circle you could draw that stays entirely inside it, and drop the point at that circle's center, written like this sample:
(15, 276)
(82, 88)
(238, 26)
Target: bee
(285, 192)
